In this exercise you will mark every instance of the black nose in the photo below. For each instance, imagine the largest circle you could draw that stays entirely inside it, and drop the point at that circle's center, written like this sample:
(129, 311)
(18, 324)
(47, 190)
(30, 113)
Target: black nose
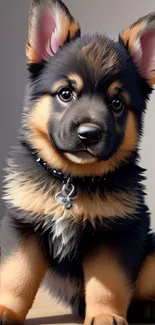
(89, 133)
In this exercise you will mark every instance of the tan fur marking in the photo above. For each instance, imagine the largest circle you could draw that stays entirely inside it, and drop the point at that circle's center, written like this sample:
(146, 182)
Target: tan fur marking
(151, 80)
(9, 315)
(74, 27)
(32, 54)
(58, 85)
(64, 83)
(130, 35)
(145, 285)
(77, 80)
(24, 194)
(113, 205)
(106, 285)
(39, 117)
(38, 136)
(131, 135)
(114, 87)
(21, 274)
(117, 88)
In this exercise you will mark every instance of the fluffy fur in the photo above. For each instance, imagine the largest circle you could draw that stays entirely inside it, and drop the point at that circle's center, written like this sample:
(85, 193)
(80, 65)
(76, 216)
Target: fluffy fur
(103, 85)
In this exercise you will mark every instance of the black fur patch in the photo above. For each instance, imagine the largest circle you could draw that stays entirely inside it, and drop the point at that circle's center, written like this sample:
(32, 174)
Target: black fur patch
(142, 312)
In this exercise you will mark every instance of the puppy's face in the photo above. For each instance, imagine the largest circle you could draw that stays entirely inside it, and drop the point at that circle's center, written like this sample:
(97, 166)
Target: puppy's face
(86, 97)
(89, 101)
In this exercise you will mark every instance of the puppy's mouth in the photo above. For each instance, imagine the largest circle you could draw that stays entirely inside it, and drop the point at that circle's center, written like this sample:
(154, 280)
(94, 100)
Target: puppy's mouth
(81, 157)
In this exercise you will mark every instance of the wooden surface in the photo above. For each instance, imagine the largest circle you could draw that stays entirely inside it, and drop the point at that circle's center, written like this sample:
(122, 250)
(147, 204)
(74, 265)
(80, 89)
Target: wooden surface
(46, 311)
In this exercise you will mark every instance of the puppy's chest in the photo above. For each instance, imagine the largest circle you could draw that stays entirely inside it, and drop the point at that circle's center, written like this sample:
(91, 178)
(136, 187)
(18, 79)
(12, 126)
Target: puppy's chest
(84, 222)
(78, 222)
(64, 228)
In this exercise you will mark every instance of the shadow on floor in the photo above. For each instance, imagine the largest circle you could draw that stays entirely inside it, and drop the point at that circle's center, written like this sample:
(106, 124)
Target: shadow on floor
(62, 319)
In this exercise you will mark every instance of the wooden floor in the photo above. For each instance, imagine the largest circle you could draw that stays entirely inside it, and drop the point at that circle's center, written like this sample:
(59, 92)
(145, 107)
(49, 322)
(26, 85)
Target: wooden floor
(46, 311)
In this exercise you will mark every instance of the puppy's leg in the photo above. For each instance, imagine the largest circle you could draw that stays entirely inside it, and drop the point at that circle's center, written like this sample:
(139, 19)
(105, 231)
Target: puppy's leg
(144, 303)
(145, 285)
(142, 309)
(107, 290)
(20, 276)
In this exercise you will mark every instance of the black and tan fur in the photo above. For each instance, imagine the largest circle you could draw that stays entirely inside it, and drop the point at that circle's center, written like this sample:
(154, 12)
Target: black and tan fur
(99, 255)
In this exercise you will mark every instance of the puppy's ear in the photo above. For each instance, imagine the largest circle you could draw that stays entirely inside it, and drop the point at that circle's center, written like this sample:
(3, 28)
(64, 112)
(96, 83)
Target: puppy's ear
(50, 27)
(139, 39)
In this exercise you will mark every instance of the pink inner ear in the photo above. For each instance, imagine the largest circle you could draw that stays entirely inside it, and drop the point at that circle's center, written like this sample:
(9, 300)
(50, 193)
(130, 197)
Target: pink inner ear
(144, 55)
(47, 43)
(148, 50)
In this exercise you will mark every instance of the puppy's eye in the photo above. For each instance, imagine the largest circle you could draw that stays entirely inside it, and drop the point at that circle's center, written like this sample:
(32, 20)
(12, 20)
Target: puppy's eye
(66, 94)
(118, 104)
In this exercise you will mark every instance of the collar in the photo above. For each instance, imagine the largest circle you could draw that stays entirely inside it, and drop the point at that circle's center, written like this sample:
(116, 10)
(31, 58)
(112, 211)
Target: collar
(70, 183)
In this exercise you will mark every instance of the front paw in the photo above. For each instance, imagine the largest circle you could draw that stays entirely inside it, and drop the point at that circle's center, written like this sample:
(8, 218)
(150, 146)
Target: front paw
(106, 320)
(8, 317)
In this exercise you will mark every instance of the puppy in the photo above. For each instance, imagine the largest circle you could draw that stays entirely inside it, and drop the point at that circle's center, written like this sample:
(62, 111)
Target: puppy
(73, 188)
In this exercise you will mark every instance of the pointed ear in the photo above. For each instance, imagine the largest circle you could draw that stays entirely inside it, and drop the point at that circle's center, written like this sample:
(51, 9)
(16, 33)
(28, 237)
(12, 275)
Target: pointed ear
(139, 39)
(50, 27)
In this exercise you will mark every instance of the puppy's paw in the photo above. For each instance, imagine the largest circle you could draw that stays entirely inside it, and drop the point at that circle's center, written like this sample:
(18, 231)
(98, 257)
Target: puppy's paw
(8, 317)
(106, 320)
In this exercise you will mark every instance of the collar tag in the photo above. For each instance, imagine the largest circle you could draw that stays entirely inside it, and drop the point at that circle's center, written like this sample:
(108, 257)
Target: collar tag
(66, 195)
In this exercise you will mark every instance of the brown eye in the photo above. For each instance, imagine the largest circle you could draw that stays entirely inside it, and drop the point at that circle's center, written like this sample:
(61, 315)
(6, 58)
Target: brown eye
(118, 104)
(65, 95)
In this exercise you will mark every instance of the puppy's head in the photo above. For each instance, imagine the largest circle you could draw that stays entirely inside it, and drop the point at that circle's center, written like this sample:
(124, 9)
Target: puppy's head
(86, 95)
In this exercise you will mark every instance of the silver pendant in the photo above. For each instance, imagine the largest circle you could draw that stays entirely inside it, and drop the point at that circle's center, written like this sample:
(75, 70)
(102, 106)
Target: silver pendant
(66, 195)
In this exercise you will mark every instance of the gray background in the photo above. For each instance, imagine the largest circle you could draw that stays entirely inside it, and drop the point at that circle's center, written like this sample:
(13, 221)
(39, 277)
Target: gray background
(106, 16)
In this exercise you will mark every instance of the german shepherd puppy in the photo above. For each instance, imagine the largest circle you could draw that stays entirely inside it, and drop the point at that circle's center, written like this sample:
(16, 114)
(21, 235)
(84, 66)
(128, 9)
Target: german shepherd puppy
(73, 191)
